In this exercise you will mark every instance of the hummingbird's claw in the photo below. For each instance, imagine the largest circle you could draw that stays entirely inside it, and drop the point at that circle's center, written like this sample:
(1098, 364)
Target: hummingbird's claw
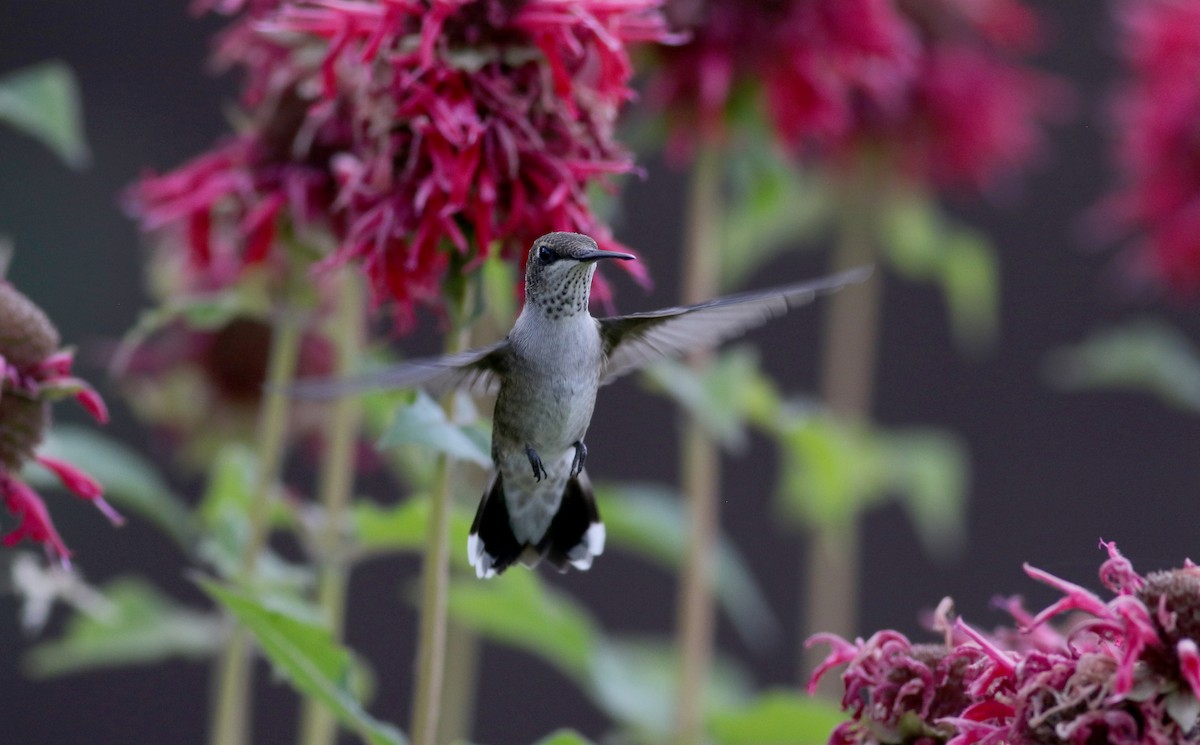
(580, 457)
(535, 461)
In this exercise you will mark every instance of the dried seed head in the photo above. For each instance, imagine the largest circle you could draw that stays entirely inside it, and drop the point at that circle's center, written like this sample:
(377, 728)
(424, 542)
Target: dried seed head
(22, 423)
(26, 335)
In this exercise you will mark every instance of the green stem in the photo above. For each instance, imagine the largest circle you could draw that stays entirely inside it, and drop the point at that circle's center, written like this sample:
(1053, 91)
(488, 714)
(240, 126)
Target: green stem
(231, 720)
(699, 466)
(850, 340)
(435, 583)
(317, 724)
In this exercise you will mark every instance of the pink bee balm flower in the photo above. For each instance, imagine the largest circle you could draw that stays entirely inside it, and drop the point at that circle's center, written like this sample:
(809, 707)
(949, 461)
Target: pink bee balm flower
(1130, 673)
(1157, 144)
(33, 373)
(413, 134)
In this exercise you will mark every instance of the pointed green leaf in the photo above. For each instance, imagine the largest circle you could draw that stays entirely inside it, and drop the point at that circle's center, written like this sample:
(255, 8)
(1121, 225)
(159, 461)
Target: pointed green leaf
(43, 101)
(928, 470)
(720, 397)
(130, 482)
(1144, 355)
(423, 422)
(138, 626)
(777, 718)
(403, 527)
(649, 520)
(832, 470)
(773, 206)
(517, 609)
(306, 655)
(925, 246)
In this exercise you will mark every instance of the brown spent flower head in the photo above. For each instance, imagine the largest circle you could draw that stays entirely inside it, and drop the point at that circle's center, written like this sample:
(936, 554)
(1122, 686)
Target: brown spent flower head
(34, 373)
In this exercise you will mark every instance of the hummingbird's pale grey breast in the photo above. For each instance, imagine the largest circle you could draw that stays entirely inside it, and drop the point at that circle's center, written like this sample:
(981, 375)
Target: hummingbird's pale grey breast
(538, 503)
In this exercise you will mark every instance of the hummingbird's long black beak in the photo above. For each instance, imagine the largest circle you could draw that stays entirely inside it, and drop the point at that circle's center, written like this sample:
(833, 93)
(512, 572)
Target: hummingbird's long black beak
(597, 254)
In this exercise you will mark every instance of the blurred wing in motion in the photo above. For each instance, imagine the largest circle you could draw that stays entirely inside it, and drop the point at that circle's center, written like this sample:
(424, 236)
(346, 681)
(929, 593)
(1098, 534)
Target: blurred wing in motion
(478, 370)
(636, 340)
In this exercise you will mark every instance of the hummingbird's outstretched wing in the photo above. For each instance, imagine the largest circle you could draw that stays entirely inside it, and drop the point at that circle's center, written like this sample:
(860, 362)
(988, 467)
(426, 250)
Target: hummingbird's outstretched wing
(477, 370)
(636, 340)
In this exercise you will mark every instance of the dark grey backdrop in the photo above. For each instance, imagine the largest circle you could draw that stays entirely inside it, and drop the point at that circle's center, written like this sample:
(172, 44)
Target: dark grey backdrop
(1052, 472)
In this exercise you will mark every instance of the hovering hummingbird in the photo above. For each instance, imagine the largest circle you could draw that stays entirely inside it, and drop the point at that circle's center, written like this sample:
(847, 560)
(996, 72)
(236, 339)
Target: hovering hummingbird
(539, 503)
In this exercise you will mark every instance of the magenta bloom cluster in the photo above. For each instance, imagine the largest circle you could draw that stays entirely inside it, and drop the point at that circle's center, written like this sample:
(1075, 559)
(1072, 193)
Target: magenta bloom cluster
(1158, 138)
(941, 88)
(34, 372)
(1126, 671)
(406, 131)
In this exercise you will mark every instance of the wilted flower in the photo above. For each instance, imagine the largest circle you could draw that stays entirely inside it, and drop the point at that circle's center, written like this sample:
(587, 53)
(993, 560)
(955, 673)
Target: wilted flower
(1128, 673)
(406, 132)
(202, 388)
(33, 373)
(1158, 139)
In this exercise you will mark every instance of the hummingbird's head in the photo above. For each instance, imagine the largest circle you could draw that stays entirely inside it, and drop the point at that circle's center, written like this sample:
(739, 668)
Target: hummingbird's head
(558, 274)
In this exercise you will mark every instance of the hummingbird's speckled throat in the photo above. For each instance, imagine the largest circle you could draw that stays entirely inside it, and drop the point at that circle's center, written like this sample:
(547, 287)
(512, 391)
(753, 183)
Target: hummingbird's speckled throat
(558, 273)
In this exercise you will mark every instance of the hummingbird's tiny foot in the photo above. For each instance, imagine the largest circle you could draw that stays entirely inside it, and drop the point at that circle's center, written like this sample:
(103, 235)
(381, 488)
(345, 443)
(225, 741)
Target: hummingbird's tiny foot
(580, 457)
(535, 461)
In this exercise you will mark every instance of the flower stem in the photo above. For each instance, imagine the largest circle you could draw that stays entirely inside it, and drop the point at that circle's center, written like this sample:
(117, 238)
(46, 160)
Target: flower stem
(435, 579)
(699, 466)
(850, 340)
(317, 724)
(231, 720)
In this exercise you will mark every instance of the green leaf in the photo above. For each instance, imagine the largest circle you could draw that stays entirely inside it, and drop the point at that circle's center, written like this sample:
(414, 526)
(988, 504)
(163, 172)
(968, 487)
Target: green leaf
(925, 246)
(519, 610)
(777, 718)
(649, 520)
(564, 737)
(306, 655)
(929, 472)
(721, 397)
(43, 101)
(1143, 355)
(635, 682)
(403, 527)
(138, 626)
(834, 470)
(423, 422)
(773, 206)
(130, 482)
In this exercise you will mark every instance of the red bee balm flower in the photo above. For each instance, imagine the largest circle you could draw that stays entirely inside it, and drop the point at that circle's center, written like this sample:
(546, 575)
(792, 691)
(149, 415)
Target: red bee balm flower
(1157, 114)
(408, 130)
(936, 86)
(33, 372)
(1129, 674)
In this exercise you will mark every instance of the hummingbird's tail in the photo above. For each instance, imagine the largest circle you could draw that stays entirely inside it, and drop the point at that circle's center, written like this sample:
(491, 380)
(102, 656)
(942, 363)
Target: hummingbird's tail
(574, 538)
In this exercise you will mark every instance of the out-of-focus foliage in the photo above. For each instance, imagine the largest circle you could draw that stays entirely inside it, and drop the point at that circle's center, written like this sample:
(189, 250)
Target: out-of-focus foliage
(135, 625)
(1145, 355)
(306, 655)
(43, 101)
(777, 717)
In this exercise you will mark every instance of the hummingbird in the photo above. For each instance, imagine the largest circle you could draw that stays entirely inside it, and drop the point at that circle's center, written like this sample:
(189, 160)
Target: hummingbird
(538, 504)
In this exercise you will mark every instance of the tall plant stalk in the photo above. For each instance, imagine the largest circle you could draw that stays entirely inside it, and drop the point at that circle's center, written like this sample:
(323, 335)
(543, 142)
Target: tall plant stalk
(699, 466)
(336, 483)
(230, 718)
(850, 342)
(435, 574)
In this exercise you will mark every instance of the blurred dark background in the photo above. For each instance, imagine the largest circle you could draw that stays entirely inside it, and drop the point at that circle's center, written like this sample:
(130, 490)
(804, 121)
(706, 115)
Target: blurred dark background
(1051, 472)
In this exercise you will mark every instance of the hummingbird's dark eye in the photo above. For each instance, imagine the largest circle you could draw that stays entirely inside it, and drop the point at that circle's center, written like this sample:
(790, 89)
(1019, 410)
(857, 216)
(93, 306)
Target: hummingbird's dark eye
(547, 255)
